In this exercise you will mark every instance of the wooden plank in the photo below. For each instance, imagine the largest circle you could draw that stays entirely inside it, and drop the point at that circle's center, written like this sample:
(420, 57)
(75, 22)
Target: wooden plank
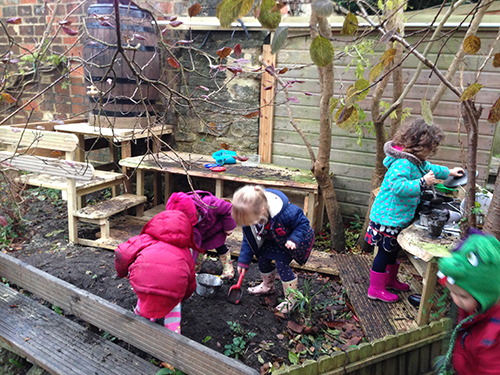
(181, 352)
(267, 107)
(110, 207)
(38, 139)
(50, 166)
(101, 180)
(117, 135)
(424, 311)
(59, 345)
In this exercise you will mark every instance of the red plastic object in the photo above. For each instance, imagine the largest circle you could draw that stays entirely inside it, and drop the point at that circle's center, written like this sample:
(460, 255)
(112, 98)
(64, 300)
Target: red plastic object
(235, 291)
(218, 169)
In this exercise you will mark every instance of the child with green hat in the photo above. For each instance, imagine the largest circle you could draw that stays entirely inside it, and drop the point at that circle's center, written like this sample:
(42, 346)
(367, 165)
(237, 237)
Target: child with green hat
(472, 275)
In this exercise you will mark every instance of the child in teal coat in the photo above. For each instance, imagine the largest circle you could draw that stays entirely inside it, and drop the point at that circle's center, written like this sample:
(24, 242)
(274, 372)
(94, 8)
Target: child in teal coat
(408, 175)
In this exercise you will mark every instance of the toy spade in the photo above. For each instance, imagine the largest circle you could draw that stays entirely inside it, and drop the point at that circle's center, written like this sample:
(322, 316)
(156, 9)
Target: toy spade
(235, 291)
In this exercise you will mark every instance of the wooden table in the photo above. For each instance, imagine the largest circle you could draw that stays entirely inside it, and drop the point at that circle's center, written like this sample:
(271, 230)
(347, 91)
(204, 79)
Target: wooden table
(417, 243)
(283, 178)
(124, 137)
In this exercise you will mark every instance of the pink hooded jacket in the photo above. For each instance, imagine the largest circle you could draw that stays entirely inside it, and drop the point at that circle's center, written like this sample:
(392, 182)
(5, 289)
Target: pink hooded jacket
(159, 263)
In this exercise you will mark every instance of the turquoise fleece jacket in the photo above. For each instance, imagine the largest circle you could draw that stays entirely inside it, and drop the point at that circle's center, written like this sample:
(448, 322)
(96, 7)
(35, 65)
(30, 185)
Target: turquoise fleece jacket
(399, 194)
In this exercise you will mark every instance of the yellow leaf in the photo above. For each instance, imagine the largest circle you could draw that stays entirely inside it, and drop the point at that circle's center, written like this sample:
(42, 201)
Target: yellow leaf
(472, 44)
(333, 104)
(426, 112)
(351, 95)
(346, 118)
(230, 10)
(470, 92)
(8, 98)
(388, 56)
(375, 72)
(496, 60)
(494, 115)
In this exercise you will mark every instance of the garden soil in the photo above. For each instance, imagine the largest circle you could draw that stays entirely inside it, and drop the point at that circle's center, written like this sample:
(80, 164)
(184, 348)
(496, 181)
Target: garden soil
(270, 338)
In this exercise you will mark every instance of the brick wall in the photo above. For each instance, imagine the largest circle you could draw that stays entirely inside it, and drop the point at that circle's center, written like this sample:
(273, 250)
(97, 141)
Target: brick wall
(68, 98)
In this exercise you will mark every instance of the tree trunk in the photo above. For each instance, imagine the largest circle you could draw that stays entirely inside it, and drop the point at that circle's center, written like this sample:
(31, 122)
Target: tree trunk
(470, 116)
(492, 224)
(321, 167)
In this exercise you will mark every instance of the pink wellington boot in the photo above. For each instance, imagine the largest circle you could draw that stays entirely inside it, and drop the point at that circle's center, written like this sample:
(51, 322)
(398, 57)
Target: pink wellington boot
(377, 287)
(392, 278)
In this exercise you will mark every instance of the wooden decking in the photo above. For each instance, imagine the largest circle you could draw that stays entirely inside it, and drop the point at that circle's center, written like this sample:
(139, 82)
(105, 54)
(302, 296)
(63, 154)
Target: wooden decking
(378, 318)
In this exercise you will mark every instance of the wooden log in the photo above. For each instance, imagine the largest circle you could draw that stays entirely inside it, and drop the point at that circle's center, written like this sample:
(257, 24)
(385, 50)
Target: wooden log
(179, 351)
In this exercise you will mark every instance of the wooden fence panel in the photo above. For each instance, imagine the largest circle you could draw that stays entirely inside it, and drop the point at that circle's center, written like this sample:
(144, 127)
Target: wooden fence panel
(351, 163)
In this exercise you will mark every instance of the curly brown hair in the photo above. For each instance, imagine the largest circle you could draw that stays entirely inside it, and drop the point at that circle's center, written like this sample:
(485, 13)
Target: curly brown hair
(419, 139)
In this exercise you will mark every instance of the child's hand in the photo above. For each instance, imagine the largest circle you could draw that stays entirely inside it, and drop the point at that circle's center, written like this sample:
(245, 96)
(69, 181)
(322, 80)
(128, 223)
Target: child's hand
(228, 232)
(290, 245)
(242, 270)
(457, 172)
(430, 178)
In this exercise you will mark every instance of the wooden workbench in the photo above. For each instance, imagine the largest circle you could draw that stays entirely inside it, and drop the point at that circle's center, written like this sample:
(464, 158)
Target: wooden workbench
(417, 243)
(298, 180)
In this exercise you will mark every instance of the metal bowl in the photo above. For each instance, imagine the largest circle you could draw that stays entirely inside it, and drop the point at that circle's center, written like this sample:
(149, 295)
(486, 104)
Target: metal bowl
(207, 284)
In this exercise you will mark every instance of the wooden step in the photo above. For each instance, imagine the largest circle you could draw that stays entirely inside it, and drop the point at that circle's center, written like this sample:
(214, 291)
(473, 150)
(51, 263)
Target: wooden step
(110, 207)
(59, 345)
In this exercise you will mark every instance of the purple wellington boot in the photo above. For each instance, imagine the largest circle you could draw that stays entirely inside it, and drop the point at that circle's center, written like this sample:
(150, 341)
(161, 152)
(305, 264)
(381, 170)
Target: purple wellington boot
(377, 287)
(392, 278)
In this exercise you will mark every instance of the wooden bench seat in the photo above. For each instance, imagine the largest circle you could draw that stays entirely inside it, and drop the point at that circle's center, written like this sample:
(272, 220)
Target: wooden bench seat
(59, 345)
(100, 181)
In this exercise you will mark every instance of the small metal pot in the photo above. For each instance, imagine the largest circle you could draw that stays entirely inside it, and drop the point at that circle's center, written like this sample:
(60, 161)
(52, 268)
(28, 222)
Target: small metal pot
(207, 284)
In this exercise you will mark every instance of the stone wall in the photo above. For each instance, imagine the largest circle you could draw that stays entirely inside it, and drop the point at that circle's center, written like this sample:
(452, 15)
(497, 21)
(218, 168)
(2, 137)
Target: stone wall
(225, 110)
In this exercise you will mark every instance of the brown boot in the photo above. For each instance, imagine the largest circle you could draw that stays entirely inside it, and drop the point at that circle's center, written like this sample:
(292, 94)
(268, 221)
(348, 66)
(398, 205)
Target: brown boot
(287, 306)
(227, 266)
(267, 285)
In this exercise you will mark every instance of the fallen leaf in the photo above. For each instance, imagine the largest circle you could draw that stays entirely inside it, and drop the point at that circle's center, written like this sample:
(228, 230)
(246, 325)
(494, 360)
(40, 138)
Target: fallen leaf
(300, 347)
(27, 339)
(295, 326)
(119, 286)
(280, 336)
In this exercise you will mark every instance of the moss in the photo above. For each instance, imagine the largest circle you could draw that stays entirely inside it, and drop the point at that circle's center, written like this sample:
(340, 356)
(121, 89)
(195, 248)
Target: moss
(435, 249)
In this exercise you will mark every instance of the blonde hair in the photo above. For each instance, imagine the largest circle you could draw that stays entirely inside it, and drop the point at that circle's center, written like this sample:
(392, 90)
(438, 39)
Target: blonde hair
(248, 202)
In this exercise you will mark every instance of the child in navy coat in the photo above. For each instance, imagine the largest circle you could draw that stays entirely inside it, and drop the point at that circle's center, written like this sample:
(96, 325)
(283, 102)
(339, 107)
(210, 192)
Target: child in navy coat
(274, 229)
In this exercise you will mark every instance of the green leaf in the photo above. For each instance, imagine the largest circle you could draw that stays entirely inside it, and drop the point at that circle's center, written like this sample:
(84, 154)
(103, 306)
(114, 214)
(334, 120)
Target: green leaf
(279, 39)
(426, 112)
(362, 84)
(333, 104)
(322, 8)
(350, 24)
(351, 96)
(293, 358)
(375, 72)
(321, 51)
(269, 20)
(230, 10)
(471, 91)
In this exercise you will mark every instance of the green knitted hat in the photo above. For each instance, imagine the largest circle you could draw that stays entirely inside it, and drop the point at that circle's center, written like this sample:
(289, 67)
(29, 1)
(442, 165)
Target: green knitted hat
(475, 267)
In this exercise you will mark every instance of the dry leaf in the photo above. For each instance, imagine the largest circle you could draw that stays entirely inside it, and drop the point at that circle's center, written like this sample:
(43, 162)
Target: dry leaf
(295, 326)
(224, 52)
(472, 45)
(119, 286)
(496, 60)
(280, 336)
(194, 10)
(494, 115)
(225, 146)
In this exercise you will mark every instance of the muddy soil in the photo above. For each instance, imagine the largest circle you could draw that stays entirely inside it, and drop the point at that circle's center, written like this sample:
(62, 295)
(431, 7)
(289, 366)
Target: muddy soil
(270, 338)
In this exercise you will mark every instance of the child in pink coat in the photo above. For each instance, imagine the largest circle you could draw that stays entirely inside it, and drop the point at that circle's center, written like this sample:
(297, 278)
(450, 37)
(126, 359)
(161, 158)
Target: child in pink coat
(214, 223)
(160, 267)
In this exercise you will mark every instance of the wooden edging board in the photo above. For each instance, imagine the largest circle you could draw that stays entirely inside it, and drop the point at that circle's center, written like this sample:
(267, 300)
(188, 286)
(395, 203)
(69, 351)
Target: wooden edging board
(184, 354)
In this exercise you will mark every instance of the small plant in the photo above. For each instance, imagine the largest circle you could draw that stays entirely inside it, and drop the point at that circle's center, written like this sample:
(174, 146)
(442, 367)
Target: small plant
(238, 345)
(16, 363)
(108, 336)
(167, 371)
(236, 348)
(57, 309)
(304, 300)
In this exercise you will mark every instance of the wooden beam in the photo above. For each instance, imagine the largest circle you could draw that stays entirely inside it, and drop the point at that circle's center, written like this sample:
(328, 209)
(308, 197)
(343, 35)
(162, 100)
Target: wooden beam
(179, 351)
(267, 108)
